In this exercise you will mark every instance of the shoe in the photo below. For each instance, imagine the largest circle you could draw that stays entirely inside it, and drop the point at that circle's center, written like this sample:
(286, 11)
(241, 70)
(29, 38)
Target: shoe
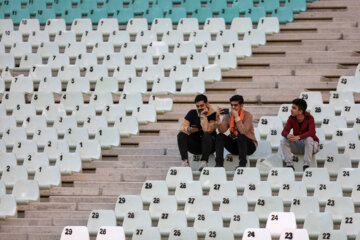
(305, 167)
(185, 164)
(203, 165)
(218, 164)
(291, 167)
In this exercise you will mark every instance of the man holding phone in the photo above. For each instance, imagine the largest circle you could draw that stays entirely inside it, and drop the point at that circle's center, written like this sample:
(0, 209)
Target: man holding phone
(198, 132)
(242, 139)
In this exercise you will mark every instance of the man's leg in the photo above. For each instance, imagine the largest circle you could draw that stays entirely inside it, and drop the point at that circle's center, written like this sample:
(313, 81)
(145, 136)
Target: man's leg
(220, 143)
(311, 147)
(242, 146)
(182, 140)
(206, 146)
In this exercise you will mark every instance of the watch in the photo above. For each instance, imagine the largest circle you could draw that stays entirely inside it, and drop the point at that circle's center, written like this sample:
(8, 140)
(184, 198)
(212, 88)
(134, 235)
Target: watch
(189, 129)
(202, 115)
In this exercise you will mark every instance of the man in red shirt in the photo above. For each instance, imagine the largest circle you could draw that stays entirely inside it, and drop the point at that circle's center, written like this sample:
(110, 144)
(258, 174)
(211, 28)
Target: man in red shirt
(303, 140)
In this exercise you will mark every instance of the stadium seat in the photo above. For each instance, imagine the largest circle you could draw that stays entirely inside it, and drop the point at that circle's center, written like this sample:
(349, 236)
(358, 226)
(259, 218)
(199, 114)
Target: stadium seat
(113, 111)
(188, 25)
(290, 190)
(56, 61)
(339, 99)
(339, 206)
(12, 174)
(102, 49)
(141, 60)
(295, 234)
(13, 99)
(185, 48)
(146, 233)
(284, 14)
(265, 123)
(209, 176)
(326, 190)
(176, 14)
(69, 163)
(226, 61)
(153, 13)
(117, 38)
(301, 206)
(197, 60)
(6, 159)
(173, 37)
(220, 190)
(348, 84)
(34, 160)
(296, 5)
(350, 224)
(183, 233)
(53, 111)
(317, 222)
(110, 232)
(71, 99)
(256, 234)
(48, 176)
(39, 72)
(81, 25)
(244, 176)
(67, 72)
(192, 86)
(214, 25)
(129, 49)
(94, 123)
(7, 61)
(284, 112)
(240, 221)
(151, 189)
(22, 84)
(163, 86)
(127, 126)
(219, 233)
(187, 189)
(100, 218)
(152, 72)
(343, 135)
(321, 112)
(196, 204)
(63, 38)
(207, 220)
(265, 205)
(12, 135)
(332, 235)
(114, 60)
(352, 149)
(136, 25)
(25, 191)
(314, 176)
(159, 206)
(161, 25)
(43, 135)
(63, 123)
(108, 137)
(124, 72)
(181, 72)
(232, 204)
(7, 206)
(326, 148)
(171, 220)
(277, 222)
(210, 73)
(135, 85)
(161, 105)
(135, 219)
(331, 123)
(278, 176)
(89, 150)
(241, 49)
(350, 112)
(254, 191)
(54, 148)
(175, 175)
(27, 26)
(75, 233)
(269, 25)
(274, 137)
(334, 162)
(127, 203)
(10, 37)
(90, 38)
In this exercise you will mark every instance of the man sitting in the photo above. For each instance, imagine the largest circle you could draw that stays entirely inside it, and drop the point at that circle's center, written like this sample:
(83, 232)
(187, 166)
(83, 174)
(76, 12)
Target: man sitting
(242, 139)
(198, 132)
(303, 140)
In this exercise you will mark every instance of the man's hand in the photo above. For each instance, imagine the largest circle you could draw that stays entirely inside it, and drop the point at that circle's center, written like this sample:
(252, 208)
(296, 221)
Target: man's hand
(218, 112)
(235, 113)
(193, 130)
(205, 111)
(293, 138)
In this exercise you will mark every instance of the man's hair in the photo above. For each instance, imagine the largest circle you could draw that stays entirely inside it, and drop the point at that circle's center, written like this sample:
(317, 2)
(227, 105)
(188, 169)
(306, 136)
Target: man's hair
(237, 98)
(300, 103)
(201, 97)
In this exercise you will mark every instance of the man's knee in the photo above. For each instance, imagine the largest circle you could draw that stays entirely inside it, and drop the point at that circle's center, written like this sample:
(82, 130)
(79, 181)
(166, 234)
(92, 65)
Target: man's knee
(181, 136)
(284, 141)
(308, 140)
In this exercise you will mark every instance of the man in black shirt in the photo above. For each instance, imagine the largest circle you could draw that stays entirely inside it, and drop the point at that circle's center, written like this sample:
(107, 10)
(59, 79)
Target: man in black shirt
(198, 132)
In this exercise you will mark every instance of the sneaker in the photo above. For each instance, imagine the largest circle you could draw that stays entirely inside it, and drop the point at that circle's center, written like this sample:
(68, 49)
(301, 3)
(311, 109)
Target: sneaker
(203, 165)
(291, 167)
(305, 167)
(185, 164)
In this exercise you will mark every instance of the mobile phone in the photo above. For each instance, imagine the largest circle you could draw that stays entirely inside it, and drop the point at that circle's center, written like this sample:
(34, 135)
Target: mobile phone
(225, 111)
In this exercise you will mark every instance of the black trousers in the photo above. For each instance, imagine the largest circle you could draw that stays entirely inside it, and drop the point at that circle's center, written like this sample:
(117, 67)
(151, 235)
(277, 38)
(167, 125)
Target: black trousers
(195, 144)
(241, 146)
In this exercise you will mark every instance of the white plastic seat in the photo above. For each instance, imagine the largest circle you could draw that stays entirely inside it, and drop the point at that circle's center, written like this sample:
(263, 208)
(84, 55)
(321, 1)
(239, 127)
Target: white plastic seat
(289, 190)
(339, 206)
(192, 86)
(352, 149)
(301, 206)
(127, 203)
(220, 190)
(187, 189)
(67, 72)
(343, 135)
(53, 26)
(12, 135)
(74, 233)
(274, 137)
(317, 222)
(63, 123)
(38, 37)
(39, 72)
(114, 111)
(146, 37)
(54, 148)
(12, 174)
(199, 37)
(322, 111)
(48, 49)
(75, 135)
(35, 160)
(107, 25)
(68, 163)
(71, 99)
(311, 98)
(151, 189)
(12, 99)
(63, 38)
(133, 220)
(124, 72)
(48, 176)
(278, 176)
(254, 191)
(146, 233)
(119, 37)
(83, 61)
(326, 148)
(102, 49)
(11, 37)
(7, 206)
(284, 112)
(230, 205)
(135, 85)
(227, 37)
(56, 61)
(127, 126)
(350, 224)
(6, 25)
(96, 72)
(43, 135)
(100, 100)
(22, 84)
(210, 73)
(206, 220)
(244, 176)
(141, 60)
(269, 25)
(161, 25)
(339, 99)
(219, 233)
(163, 86)
(212, 48)
(175, 175)
(108, 137)
(21, 112)
(256, 234)
(241, 221)
(226, 60)
(27, 26)
(181, 72)
(188, 25)
(100, 218)
(156, 48)
(332, 235)
(265, 205)
(185, 48)
(29, 60)
(326, 190)
(7, 61)
(255, 37)
(94, 123)
(267, 122)
(241, 25)
(110, 232)
(162, 205)
(81, 84)
(80, 25)
(241, 49)
(329, 124)
(25, 191)
(136, 25)
(53, 111)
(348, 178)
(296, 234)
(197, 60)
(210, 175)
(112, 61)
(214, 25)
(196, 204)
(314, 176)
(152, 72)
(348, 84)
(277, 222)
(350, 112)
(83, 111)
(89, 150)
(169, 60)
(6, 159)
(334, 162)
(173, 37)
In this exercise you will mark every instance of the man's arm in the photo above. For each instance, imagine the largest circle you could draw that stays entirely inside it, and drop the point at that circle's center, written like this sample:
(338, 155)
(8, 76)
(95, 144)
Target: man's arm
(244, 127)
(287, 128)
(311, 130)
(223, 125)
(184, 126)
(208, 126)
